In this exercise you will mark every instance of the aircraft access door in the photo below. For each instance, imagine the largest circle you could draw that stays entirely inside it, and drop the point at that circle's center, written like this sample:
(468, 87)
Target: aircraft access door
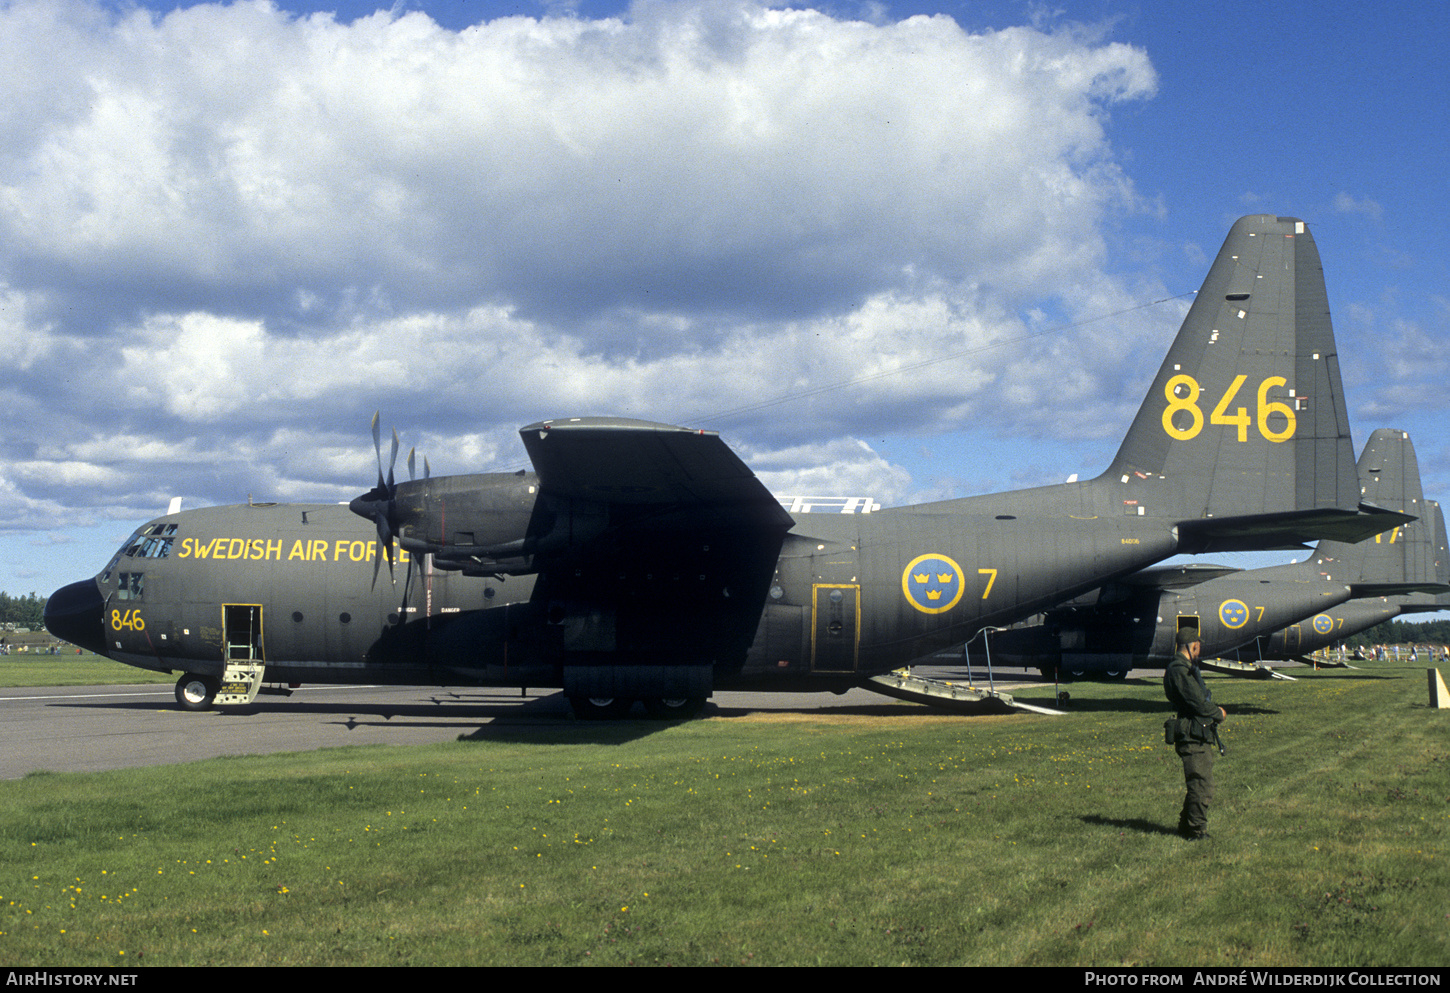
(1186, 621)
(1291, 638)
(836, 627)
(242, 632)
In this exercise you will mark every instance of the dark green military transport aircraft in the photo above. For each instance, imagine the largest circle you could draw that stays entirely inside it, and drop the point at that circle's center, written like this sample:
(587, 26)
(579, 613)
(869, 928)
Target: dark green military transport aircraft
(1330, 627)
(1132, 623)
(641, 561)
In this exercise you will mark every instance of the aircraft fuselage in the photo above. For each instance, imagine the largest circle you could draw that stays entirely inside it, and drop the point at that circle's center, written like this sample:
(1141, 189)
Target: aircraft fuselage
(292, 586)
(1124, 628)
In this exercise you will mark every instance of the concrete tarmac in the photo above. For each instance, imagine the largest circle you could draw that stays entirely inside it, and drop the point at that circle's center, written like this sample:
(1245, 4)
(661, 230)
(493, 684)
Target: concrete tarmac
(91, 728)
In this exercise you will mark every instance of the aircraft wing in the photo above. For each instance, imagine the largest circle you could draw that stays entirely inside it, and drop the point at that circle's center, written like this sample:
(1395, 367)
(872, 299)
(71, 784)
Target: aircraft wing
(640, 464)
(662, 542)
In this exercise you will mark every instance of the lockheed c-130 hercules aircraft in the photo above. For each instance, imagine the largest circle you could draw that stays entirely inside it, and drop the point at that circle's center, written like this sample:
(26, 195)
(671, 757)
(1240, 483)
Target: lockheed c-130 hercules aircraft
(1298, 642)
(1132, 623)
(643, 561)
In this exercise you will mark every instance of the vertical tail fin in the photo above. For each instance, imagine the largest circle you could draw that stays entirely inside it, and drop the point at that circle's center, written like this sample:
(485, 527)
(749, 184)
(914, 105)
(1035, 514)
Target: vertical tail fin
(1244, 436)
(1403, 559)
(1416, 603)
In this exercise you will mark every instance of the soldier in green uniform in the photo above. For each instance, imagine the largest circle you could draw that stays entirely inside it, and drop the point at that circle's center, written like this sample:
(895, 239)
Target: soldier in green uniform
(1193, 733)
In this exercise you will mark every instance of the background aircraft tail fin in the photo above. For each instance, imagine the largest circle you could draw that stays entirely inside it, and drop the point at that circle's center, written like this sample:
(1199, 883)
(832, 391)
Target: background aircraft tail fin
(1416, 603)
(1244, 437)
(1402, 559)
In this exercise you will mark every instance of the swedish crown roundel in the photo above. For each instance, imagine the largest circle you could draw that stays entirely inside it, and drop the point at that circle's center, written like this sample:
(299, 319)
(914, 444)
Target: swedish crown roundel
(933, 583)
(1233, 613)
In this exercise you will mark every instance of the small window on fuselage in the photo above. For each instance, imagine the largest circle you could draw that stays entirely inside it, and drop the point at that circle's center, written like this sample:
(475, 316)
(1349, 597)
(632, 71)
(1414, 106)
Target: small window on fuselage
(130, 585)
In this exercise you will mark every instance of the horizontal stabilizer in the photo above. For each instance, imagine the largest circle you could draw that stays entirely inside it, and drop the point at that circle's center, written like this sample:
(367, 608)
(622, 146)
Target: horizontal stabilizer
(1291, 530)
(1170, 577)
(1360, 591)
(1424, 603)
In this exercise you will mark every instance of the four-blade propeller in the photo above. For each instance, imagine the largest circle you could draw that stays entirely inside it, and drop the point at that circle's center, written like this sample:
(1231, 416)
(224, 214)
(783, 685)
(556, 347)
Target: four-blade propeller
(380, 505)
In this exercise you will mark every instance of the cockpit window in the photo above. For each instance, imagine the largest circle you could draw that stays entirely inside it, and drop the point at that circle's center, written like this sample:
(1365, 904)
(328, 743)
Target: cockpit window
(150, 542)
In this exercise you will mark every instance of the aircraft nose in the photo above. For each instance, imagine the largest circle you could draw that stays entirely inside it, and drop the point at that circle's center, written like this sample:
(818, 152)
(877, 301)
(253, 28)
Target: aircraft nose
(74, 613)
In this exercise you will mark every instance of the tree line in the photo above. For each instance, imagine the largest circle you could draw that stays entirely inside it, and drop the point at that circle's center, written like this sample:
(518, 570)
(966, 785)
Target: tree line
(1404, 633)
(22, 611)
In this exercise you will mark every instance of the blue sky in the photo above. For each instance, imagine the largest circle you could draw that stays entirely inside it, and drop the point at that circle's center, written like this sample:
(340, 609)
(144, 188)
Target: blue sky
(229, 233)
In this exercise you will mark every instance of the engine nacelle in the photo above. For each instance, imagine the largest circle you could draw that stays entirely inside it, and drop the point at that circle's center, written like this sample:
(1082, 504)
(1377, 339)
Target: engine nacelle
(489, 523)
(484, 514)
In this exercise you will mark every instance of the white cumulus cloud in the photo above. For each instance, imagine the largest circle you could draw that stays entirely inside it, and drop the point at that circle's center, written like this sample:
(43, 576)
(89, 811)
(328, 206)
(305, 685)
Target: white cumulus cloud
(235, 232)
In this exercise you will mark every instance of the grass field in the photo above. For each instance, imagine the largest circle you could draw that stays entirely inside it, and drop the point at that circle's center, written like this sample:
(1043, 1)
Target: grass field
(784, 839)
(72, 670)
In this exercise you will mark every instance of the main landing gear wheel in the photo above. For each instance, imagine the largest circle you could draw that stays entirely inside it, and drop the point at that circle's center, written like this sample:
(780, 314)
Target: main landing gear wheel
(195, 692)
(600, 708)
(674, 708)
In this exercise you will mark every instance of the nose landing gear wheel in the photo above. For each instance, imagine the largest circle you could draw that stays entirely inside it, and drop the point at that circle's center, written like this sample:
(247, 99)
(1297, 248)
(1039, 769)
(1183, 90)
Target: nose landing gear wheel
(195, 692)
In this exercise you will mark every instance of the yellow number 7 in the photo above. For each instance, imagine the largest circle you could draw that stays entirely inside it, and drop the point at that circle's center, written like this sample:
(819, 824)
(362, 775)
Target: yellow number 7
(991, 575)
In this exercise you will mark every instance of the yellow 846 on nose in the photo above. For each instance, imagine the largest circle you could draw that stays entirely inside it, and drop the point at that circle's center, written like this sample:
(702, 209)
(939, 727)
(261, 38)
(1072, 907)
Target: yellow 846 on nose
(128, 621)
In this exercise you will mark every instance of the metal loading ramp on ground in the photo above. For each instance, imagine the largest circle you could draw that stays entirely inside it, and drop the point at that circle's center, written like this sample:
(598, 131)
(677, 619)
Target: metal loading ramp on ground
(1319, 663)
(1248, 670)
(902, 685)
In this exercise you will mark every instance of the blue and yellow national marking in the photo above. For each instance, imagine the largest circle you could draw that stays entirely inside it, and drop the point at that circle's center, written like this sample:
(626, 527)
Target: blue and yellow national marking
(933, 583)
(1323, 623)
(1233, 613)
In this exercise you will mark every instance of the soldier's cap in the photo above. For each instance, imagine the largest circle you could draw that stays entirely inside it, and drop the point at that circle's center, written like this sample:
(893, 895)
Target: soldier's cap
(1187, 637)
